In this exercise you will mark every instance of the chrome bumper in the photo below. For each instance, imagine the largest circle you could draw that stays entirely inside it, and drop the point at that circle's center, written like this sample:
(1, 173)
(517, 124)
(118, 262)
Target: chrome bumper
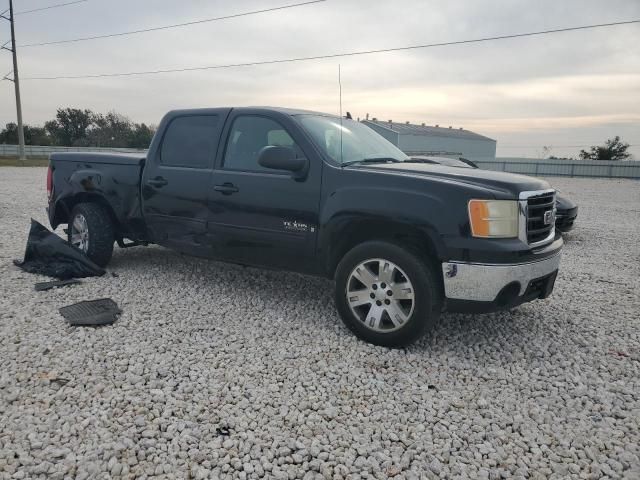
(483, 282)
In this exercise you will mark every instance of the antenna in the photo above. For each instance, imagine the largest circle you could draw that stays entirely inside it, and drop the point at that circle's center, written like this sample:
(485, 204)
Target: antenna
(340, 94)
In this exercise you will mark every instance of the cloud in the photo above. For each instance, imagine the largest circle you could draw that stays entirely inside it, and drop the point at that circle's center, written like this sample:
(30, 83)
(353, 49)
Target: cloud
(522, 90)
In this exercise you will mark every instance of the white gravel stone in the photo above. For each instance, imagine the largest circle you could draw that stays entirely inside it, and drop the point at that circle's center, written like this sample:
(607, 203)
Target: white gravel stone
(550, 390)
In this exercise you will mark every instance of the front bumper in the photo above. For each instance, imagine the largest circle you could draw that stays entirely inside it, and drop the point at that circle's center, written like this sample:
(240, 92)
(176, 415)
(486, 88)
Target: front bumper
(474, 287)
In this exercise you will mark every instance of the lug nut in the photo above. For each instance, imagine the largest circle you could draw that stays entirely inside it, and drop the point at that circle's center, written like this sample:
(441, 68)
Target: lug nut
(378, 302)
(375, 287)
(372, 295)
(389, 292)
(383, 285)
(387, 302)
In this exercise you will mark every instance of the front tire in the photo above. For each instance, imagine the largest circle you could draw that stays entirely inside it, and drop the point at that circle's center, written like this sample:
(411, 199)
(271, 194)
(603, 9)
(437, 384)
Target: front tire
(91, 231)
(386, 294)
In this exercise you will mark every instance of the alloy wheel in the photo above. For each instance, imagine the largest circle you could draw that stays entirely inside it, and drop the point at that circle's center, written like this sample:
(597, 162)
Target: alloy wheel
(380, 295)
(80, 233)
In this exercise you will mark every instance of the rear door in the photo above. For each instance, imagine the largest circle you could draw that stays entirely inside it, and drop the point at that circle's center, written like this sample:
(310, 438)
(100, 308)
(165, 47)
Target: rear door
(177, 177)
(260, 216)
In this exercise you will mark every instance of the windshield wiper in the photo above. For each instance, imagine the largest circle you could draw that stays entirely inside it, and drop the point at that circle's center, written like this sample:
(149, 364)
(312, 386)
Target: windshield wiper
(373, 160)
(421, 160)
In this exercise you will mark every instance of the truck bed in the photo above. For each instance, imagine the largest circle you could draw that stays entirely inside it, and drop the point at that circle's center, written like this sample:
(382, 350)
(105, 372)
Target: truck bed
(101, 158)
(109, 178)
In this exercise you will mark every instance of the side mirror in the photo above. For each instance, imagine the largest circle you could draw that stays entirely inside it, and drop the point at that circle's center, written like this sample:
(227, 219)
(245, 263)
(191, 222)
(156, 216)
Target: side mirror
(283, 158)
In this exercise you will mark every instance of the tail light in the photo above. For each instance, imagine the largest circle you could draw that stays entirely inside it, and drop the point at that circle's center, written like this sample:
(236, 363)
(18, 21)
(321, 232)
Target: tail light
(49, 182)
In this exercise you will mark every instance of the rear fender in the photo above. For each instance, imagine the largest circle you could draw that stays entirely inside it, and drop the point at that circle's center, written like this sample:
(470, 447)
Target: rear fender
(118, 196)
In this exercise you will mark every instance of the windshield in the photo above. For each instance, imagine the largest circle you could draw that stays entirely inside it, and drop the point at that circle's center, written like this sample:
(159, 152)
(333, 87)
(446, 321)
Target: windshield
(350, 142)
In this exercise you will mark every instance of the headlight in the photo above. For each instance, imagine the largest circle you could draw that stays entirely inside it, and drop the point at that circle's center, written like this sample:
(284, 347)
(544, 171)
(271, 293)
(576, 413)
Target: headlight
(493, 218)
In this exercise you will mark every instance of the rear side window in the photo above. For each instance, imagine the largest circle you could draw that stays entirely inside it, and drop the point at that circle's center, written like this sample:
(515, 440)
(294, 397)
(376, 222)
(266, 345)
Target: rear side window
(190, 141)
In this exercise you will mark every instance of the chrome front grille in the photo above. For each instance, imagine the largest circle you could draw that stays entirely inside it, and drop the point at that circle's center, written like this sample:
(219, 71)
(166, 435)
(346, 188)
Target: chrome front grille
(540, 217)
(537, 211)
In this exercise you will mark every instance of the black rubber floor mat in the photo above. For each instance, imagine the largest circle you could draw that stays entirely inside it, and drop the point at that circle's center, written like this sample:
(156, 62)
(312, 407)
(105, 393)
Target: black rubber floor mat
(42, 286)
(103, 311)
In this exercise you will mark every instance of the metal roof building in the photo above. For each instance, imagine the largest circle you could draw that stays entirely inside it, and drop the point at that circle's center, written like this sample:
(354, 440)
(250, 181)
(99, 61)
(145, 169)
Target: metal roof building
(426, 140)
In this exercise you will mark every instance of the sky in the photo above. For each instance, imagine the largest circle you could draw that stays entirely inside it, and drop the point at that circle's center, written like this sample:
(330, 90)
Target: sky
(565, 91)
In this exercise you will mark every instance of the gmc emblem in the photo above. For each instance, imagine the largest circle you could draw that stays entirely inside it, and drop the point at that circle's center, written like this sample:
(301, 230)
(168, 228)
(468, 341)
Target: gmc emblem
(549, 217)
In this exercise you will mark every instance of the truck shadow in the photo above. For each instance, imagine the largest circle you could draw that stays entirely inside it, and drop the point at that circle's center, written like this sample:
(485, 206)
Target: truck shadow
(281, 294)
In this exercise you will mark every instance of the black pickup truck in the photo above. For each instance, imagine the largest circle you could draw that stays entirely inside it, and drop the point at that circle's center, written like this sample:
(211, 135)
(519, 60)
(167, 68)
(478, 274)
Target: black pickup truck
(314, 193)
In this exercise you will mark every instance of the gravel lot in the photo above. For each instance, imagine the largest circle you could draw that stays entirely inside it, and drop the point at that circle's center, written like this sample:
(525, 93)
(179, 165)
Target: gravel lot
(219, 371)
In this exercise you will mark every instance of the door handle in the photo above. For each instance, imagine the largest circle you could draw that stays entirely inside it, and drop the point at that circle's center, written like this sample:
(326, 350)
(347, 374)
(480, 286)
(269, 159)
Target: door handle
(226, 188)
(157, 182)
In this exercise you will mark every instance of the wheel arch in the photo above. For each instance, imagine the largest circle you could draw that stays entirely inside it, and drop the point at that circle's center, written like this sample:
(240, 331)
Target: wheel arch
(64, 207)
(349, 232)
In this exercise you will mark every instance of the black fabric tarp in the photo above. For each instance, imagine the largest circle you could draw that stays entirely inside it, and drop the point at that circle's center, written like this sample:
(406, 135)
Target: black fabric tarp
(48, 254)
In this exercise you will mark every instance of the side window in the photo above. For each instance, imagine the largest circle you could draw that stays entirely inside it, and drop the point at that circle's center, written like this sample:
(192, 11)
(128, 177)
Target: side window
(190, 141)
(250, 134)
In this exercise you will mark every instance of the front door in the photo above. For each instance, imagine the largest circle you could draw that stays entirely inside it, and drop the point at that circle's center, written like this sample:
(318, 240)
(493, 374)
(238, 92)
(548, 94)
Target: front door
(260, 216)
(177, 177)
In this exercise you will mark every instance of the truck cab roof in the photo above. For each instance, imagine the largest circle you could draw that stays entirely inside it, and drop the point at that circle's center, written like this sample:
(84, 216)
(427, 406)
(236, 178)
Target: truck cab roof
(283, 110)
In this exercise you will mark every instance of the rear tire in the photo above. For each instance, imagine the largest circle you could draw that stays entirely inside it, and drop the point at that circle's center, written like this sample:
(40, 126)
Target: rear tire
(91, 230)
(386, 294)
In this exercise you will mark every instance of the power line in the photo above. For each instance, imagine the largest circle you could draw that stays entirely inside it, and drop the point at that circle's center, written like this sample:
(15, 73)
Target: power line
(333, 55)
(49, 8)
(175, 25)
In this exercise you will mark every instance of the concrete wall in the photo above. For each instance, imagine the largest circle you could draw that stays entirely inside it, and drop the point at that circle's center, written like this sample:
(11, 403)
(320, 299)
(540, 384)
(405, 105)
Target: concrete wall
(563, 168)
(39, 151)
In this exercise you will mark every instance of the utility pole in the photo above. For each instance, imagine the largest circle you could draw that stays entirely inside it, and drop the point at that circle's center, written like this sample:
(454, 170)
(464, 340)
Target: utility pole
(16, 78)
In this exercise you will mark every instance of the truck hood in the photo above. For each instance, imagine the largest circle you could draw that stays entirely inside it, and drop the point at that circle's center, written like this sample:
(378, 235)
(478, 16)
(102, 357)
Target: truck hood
(501, 184)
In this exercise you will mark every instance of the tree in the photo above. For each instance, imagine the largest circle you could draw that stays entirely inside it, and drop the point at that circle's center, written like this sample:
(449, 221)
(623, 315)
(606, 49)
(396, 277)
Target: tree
(83, 128)
(9, 134)
(141, 135)
(36, 136)
(110, 130)
(546, 151)
(32, 135)
(70, 126)
(613, 149)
